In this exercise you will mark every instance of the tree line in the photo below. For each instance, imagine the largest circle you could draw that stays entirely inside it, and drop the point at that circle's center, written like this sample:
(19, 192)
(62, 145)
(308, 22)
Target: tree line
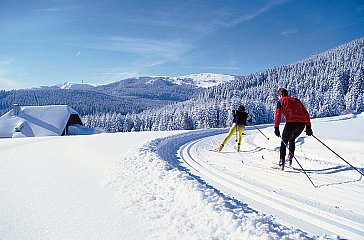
(328, 84)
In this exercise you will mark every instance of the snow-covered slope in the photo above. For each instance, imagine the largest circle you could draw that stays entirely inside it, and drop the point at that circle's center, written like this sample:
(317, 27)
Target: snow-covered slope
(167, 185)
(203, 80)
(78, 86)
(71, 85)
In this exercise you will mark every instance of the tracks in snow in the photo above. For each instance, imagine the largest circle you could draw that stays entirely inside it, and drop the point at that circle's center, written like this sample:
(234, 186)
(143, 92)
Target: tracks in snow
(274, 192)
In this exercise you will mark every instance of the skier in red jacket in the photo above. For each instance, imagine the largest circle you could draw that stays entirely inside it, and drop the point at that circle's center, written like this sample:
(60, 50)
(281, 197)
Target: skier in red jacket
(297, 118)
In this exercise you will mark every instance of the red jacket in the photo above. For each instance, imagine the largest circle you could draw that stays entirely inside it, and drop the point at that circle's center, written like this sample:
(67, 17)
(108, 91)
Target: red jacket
(293, 111)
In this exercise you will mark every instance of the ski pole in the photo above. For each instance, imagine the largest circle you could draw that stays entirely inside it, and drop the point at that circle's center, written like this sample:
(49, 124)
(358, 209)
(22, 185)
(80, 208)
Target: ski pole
(236, 126)
(261, 132)
(338, 155)
(298, 162)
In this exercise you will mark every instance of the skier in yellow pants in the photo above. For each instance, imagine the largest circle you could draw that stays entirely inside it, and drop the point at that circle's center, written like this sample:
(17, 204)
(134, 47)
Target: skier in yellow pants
(239, 122)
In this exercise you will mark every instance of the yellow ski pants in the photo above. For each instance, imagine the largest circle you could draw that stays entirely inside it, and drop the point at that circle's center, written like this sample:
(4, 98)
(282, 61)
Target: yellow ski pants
(232, 131)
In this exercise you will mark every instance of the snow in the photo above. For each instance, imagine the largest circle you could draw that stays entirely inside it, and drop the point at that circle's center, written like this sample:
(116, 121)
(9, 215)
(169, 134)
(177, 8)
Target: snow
(33, 121)
(167, 185)
(71, 85)
(77, 129)
(203, 80)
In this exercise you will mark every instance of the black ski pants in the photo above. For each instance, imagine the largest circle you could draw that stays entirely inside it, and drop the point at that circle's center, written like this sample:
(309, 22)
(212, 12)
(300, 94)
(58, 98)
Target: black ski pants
(290, 132)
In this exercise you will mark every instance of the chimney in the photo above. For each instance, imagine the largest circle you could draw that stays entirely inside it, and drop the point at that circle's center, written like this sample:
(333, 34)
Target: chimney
(16, 109)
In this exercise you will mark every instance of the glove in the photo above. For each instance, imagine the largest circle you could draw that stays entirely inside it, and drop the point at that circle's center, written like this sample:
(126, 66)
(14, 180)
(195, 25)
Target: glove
(250, 120)
(309, 130)
(276, 132)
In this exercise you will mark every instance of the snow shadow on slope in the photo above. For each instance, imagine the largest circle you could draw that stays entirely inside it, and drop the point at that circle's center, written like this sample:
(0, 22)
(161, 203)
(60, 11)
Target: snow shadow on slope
(167, 149)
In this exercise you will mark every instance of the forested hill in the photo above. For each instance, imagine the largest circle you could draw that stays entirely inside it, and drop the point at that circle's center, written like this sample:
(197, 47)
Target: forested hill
(328, 84)
(128, 95)
(121, 97)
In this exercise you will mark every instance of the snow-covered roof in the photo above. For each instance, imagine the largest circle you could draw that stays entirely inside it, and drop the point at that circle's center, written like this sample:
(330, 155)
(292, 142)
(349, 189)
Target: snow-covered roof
(30, 121)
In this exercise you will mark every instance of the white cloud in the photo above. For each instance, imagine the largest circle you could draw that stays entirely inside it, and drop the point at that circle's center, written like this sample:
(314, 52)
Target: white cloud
(56, 9)
(170, 50)
(289, 32)
(213, 67)
(5, 83)
(254, 14)
(156, 63)
(108, 75)
(5, 61)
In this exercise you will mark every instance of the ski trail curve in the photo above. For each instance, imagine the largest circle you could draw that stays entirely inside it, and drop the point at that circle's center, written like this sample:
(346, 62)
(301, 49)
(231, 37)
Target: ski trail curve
(249, 178)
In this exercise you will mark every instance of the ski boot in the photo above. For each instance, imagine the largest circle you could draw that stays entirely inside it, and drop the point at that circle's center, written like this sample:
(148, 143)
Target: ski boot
(281, 163)
(237, 147)
(219, 148)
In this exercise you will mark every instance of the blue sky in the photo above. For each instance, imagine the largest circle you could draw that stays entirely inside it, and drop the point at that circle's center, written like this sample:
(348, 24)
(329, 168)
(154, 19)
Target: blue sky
(45, 42)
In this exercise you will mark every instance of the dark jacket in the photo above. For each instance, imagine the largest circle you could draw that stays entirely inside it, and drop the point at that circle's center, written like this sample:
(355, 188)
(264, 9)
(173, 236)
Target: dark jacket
(240, 117)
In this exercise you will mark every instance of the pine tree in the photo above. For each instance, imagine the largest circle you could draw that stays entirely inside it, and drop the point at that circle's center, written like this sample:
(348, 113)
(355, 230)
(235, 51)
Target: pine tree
(128, 123)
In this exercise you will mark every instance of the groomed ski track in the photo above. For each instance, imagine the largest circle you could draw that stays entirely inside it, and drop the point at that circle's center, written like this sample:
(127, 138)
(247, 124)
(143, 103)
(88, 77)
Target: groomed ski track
(287, 195)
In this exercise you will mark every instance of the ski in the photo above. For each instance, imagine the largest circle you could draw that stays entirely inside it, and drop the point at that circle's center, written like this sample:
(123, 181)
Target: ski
(269, 168)
(275, 167)
(214, 150)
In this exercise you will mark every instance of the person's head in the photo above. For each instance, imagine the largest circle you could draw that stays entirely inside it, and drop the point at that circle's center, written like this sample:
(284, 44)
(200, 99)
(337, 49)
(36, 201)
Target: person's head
(282, 92)
(241, 108)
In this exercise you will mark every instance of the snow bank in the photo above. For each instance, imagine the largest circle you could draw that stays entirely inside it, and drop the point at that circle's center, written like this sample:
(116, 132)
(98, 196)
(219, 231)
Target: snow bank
(178, 205)
(137, 186)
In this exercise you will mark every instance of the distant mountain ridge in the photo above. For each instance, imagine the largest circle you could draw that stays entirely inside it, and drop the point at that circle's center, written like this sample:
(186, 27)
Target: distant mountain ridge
(328, 84)
(127, 95)
(68, 85)
(202, 80)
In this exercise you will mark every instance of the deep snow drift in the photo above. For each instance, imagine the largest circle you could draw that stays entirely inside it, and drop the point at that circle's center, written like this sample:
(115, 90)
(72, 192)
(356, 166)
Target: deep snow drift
(167, 185)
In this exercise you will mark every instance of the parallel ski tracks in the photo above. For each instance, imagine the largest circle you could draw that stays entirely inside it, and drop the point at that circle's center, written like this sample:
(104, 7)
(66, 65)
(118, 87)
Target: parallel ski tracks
(244, 185)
